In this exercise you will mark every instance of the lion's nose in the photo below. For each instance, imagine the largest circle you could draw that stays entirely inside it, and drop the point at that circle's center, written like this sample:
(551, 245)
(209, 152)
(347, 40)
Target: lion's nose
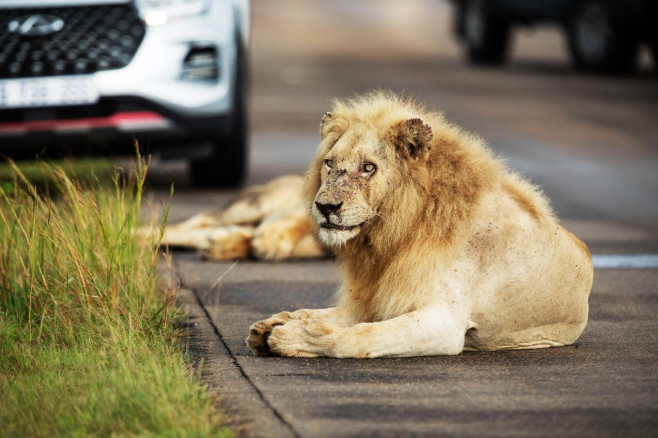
(327, 209)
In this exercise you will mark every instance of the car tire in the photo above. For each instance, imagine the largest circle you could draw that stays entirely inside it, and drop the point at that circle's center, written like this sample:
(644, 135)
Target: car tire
(226, 166)
(599, 41)
(486, 36)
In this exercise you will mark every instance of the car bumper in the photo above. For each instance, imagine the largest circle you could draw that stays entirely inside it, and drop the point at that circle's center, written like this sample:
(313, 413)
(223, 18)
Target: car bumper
(153, 97)
(156, 72)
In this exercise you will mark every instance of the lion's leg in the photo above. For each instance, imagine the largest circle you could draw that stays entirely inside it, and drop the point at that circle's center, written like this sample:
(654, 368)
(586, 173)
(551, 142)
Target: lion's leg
(427, 332)
(308, 247)
(200, 220)
(260, 331)
(196, 238)
(286, 235)
(228, 243)
(190, 233)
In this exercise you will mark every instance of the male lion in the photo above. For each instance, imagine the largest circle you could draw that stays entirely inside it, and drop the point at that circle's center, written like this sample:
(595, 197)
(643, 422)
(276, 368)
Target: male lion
(443, 249)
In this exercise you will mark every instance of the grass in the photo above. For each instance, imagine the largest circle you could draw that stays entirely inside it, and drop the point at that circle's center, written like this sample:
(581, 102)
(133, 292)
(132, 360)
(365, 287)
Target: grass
(87, 333)
(84, 169)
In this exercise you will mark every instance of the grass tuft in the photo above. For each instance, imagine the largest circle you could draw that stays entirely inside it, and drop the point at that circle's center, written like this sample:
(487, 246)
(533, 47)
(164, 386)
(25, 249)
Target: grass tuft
(87, 334)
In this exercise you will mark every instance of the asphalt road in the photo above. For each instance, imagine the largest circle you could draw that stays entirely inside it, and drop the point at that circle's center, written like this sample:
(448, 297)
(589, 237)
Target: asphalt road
(590, 141)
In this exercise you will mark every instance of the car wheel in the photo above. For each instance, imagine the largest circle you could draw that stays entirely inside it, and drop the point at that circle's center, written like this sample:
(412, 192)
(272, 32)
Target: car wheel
(227, 164)
(598, 41)
(485, 35)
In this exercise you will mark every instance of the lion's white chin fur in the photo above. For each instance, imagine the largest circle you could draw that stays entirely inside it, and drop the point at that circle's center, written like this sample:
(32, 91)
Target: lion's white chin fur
(336, 238)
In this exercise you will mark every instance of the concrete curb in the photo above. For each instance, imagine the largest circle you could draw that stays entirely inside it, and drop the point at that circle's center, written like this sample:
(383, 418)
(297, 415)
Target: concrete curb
(251, 414)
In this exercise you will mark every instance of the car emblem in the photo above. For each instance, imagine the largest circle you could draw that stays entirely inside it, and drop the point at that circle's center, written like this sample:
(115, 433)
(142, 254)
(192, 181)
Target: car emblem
(36, 25)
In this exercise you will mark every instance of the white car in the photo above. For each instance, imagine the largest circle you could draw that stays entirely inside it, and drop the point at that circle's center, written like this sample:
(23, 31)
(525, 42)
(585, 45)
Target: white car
(88, 77)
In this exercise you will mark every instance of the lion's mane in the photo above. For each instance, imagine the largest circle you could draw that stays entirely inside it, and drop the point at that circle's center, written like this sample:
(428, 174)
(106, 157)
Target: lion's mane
(432, 203)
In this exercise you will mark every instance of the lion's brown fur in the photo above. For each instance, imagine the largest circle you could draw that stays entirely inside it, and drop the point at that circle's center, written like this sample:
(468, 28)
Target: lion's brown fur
(266, 222)
(443, 249)
(431, 204)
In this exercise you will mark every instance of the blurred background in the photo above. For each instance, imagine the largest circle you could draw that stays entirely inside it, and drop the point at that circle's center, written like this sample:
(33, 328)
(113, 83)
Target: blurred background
(590, 140)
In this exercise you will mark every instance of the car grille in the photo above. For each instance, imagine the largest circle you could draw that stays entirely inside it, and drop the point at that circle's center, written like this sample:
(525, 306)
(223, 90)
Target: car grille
(92, 38)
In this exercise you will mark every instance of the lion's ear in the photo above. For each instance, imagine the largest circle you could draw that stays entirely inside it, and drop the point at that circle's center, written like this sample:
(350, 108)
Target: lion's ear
(414, 139)
(332, 124)
(325, 124)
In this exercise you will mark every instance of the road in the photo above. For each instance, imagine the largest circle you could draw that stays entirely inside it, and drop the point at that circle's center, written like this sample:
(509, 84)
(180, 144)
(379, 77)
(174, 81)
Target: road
(591, 142)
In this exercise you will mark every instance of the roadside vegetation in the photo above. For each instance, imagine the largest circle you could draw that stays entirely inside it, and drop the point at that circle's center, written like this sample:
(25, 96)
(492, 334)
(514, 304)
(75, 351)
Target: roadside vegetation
(99, 170)
(87, 330)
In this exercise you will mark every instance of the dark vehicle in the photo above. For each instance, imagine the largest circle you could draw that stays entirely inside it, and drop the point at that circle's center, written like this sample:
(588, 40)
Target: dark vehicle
(603, 35)
(86, 77)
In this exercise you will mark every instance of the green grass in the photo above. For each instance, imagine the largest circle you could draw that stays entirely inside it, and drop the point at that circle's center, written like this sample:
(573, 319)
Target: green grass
(87, 332)
(84, 169)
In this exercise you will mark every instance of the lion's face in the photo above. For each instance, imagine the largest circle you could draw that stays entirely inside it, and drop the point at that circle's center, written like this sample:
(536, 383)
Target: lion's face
(359, 165)
(352, 183)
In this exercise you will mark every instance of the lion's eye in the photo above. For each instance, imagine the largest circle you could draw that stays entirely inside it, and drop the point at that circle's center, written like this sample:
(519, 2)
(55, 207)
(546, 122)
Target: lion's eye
(369, 167)
(329, 163)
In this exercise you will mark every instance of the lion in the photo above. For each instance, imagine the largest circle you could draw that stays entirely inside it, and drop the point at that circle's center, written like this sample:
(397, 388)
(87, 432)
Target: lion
(265, 222)
(443, 249)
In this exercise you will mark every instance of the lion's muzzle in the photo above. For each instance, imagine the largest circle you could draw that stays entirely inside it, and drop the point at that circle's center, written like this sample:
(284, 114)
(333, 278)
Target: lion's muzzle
(332, 211)
(328, 209)
(330, 226)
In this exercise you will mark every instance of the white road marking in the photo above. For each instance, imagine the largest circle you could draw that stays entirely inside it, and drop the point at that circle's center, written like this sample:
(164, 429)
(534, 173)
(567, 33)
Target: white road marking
(638, 261)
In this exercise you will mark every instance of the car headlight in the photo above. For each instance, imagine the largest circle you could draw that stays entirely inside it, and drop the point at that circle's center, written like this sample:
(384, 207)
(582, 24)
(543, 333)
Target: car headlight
(158, 12)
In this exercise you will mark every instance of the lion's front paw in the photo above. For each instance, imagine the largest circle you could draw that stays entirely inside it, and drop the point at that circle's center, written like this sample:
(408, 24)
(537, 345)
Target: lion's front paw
(303, 338)
(276, 239)
(273, 241)
(258, 336)
(228, 243)
(259, 333)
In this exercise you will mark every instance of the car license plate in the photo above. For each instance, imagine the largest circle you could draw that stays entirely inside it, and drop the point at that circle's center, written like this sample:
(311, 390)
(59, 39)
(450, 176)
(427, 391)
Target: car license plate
(34, 92)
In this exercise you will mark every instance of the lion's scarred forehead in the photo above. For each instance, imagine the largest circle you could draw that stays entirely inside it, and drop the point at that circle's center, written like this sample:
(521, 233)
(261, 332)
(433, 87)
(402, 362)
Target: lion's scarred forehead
(362, 141)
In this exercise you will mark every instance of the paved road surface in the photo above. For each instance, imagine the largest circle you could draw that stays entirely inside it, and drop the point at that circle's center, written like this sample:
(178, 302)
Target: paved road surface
(592, 142)
(605, 385)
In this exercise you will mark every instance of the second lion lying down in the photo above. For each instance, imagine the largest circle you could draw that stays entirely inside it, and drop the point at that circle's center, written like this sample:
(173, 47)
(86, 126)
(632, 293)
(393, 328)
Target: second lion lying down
(442, 248)
(267, 222)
